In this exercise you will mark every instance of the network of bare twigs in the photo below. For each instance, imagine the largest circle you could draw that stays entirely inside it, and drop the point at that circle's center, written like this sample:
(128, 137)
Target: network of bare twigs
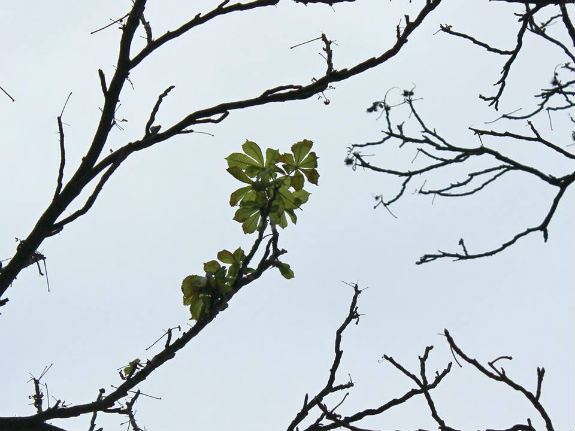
(440, 154)
(318, 412)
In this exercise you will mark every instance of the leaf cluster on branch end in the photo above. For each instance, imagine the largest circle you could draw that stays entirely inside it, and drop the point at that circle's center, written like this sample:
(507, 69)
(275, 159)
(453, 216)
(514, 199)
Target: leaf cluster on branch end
(274, 191)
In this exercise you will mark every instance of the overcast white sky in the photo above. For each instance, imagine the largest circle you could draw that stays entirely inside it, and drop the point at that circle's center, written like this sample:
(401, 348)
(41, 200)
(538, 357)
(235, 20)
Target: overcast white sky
(115, 274)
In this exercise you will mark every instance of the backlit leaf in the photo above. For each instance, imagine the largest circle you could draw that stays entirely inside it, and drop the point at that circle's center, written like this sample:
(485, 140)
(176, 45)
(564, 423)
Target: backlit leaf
(192, 284)
(239, 174)
(251, 224)
(271, 157)
(226, 256)
(287, 159)
(241, 160)
(211, 266)
(301, 197)
(253, 171)
(239, 255)
(242, 214)
(285, 270)
(300, 150)
(197, 307)
(238, 195)
(297, 180)
(292, 216)
(309, 162)
(312, 175)
(253, 150)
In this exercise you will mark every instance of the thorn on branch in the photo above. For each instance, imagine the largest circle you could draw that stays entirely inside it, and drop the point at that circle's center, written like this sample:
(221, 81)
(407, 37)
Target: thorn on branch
(462, 244)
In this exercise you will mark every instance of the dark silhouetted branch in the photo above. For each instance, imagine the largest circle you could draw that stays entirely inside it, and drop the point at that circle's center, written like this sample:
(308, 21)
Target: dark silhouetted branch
(434, 153)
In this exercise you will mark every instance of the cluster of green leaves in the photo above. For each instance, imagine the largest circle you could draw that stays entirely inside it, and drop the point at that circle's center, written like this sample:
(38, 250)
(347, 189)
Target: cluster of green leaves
(202, 293)
(273, 192)
(274, 183)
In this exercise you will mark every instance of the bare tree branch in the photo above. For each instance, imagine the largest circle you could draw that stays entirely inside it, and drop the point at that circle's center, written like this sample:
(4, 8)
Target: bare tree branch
(437, 153)
(501, 376)
(329, 387)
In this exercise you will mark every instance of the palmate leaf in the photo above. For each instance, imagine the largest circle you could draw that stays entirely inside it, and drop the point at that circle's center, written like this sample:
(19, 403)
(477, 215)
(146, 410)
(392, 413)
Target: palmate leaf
(301, 161)
(300, 151)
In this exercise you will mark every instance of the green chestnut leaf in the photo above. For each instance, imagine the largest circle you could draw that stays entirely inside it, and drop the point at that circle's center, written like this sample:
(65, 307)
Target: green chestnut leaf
(292, 216)
(239, 174)
(241, 160)
(226, 256)
(285, 270)
(197, 308)
(310, 162)
(211, 266)
(252, 223)
(192, 285)
(271, 157)
(312, 175)
(239, 255)
(238, 195)
(297, 180)
(254, 151)
(300, 150)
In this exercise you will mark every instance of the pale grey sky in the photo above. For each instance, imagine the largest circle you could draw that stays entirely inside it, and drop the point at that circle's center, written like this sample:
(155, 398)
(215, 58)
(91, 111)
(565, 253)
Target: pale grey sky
(115, 274)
